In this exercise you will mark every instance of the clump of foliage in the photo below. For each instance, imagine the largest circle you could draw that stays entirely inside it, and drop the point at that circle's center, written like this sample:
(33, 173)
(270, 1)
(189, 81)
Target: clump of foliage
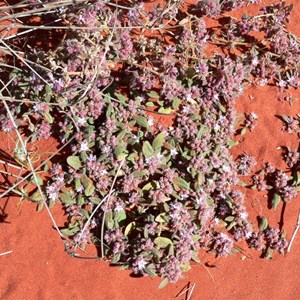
(149, 177)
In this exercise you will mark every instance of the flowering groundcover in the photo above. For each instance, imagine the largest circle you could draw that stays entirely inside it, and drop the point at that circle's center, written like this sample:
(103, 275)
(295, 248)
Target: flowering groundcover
(147, 113)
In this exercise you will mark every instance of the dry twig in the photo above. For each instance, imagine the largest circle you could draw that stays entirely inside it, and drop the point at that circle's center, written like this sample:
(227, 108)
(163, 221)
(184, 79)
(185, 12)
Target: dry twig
(294, 233)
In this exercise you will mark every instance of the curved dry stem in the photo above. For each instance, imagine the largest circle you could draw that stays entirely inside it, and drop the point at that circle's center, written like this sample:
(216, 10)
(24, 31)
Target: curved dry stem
(104, 214)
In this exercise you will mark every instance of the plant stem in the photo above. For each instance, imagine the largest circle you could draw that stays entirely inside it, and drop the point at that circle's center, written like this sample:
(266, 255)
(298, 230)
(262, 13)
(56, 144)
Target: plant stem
(104, 214)
(294, 233)
(7, 252)
(9, 164)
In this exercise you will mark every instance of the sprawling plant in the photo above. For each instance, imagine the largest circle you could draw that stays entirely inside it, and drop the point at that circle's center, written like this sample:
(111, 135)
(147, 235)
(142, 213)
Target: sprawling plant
(150, 116)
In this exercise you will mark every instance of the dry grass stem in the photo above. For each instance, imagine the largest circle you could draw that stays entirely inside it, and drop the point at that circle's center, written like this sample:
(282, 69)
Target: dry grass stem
(294, 233)
(7, 252)
(104, 214)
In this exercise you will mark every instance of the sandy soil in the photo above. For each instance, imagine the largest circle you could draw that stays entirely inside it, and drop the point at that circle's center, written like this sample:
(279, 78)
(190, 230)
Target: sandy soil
(39, 268)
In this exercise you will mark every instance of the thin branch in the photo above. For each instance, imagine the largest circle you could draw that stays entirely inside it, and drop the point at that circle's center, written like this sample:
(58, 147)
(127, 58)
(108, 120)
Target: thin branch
(24, 61)
(31, 167)
(37, 168)
(7, 252)
(104, 214)
(10, 174)
(9, 164)
(138, 107)
(294, 233)
(32, 28)
(184, 290)
(192, 290)
(25, 100)
(93, 213)
(10, 66)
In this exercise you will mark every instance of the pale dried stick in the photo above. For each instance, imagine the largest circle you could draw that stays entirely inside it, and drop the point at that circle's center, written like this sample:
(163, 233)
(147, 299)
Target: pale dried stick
(46, 9)
(104, 214)
(25, 100)
(185, 290)
(31, 167)
(24, 61)
(108, 42)
(9, 66)
(10, 174)
(32, 28)
(92, 214)
(7, 252)
(10, 165)
(42, 164)
(101, 202)
(190, 294)
(294, 233)
(37, 168)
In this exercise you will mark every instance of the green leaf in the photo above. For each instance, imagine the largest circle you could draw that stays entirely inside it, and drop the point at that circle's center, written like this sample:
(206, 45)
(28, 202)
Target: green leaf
(120, 151)
(166, 110)
(160, 218)
(121, 98)
(70, 231)
(48, 117)
(232, 143)
(263, 223)
(84, 213)
(80, 200)
(120, 215)
(275, 201)
(158, 141)
(185, 267)
(163, 283)
(221, 107)
(229, 219)
(243, 131)
(74, 162)
(149, 104)
(95, 200)
(48, 93)
(46, 167)
(121, 135)
(149, 186)
(176, 103)
(142, 121)
(36, 197)
(162, 242)
(297, 179)
(268, 253)
(109, 111)
(181, 183)
(231, 225)
(109, 222)
(150, 270)
(51, 203)
(38, 178)
(139, 173)
(195, 257)
(66, 198)
(129, 228)
(40, 206)
(116, 258)
(88, 184)
(153, 94)
(78, 185)
(147, 149)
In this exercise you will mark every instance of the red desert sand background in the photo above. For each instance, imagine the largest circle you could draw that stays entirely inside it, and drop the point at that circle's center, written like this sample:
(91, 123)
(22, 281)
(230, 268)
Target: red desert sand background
(39, 268)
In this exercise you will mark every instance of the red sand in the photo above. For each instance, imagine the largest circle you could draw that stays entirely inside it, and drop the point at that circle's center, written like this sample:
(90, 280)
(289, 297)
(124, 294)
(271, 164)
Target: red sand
(38, 267)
